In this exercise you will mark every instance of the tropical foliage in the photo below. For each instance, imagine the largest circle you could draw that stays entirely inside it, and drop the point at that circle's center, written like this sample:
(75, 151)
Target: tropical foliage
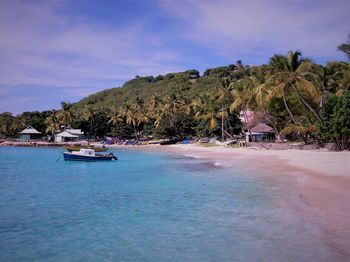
(336, 121)
(301, 100)
(345, 47)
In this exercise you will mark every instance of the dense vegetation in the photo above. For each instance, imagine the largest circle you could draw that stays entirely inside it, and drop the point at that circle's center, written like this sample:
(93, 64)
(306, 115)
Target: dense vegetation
(301, 100)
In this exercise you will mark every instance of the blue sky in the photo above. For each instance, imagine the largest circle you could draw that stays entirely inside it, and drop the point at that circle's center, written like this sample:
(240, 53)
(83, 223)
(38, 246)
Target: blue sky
(64, 50)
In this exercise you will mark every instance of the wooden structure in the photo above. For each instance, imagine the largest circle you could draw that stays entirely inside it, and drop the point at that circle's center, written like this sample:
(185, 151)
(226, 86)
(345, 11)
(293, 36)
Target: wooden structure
(70, 135)
(260, 133)
(30, 133)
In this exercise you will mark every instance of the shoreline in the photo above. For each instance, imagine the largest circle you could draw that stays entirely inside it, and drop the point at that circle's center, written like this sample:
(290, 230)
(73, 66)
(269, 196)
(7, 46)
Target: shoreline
(321, 162)
(323, 179)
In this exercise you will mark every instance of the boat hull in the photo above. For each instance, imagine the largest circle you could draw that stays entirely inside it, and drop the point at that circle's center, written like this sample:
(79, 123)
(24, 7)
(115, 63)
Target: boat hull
(74, 157)
(169, 142)
(77, 148)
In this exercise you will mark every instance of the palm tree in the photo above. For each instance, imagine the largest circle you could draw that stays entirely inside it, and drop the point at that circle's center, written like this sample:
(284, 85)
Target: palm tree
(262, 94)
(243, 100)
(136, 115)
(88, 114)
(335, 77)
(116, 115)
(131, 118)
(154, 103)
(170, 105)
(225, 96)
(345, 47)
(142, 117)
(52, 124)
(154, 108)
(289, 75)
(65, 114)
(207, 108)
(9, 125)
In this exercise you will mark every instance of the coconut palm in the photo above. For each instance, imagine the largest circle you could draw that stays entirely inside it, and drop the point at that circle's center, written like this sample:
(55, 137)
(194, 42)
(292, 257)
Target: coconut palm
(154, 103)
(171, 104)
(52, 124)
(142, 117)
(335, 77)
(88, 114)
(242, 98)
(168, 107)
(65, 114)
(131, 118)
(154, 107)
(116, 115)
(136, 115)
(9, 125)
(225, 96)
(207, 108)
(262, 95)
(345, 47)
(289, 76)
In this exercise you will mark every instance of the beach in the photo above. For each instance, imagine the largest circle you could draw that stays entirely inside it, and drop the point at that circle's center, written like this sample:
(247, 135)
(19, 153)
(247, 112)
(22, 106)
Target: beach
(323, 179)
(176, 202)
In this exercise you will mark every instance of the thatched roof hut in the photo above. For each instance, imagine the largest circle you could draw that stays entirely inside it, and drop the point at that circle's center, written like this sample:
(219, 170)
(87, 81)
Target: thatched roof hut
(262, 128)
(260, 133)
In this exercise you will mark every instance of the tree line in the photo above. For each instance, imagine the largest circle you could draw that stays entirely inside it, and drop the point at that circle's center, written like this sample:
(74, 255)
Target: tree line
(301, 100)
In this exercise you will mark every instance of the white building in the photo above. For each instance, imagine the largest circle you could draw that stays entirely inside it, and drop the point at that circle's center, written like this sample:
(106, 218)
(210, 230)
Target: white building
(30, 133)
(70, 135)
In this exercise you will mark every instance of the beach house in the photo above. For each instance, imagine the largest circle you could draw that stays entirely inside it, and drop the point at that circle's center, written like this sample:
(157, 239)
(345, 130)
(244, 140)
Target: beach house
(29, 133)
(70, 135)
(260, 133)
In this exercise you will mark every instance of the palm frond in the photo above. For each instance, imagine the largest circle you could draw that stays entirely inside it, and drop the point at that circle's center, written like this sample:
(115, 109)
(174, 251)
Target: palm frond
(296, 129)
(307, 87)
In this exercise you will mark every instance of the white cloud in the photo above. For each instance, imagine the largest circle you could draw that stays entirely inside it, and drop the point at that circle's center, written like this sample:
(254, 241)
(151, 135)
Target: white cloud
(255, 26)
(40, 47)
(43, 47)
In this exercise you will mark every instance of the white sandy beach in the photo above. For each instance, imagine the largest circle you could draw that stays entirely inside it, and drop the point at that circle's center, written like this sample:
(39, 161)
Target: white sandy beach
(326, 163)
(322, 162)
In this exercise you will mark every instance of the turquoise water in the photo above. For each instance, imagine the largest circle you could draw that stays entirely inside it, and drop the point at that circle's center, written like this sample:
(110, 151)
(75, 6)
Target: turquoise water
(148, 207)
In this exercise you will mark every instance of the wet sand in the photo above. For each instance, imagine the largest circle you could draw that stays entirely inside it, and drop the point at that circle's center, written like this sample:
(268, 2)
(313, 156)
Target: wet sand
(323, 178)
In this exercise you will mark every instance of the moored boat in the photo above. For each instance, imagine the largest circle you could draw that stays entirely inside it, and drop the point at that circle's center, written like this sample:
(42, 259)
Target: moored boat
(77, 148)
(226, 143)
(86, 154)
(169, 142)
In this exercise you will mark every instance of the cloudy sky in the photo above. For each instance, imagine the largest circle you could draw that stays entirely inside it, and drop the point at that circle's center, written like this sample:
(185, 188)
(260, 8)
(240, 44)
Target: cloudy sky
(63, 50)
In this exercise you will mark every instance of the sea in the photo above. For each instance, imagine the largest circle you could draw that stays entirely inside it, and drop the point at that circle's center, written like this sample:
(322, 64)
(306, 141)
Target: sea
(150, 206)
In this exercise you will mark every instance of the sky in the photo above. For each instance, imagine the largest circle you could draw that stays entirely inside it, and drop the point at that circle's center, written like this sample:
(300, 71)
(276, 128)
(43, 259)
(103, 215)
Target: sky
(64, 50)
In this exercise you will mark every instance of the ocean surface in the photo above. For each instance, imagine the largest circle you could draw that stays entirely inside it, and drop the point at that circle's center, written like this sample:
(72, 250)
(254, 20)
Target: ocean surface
(149, 207)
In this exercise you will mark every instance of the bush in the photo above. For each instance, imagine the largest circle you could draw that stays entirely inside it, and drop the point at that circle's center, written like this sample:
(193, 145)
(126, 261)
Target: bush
(336, 121)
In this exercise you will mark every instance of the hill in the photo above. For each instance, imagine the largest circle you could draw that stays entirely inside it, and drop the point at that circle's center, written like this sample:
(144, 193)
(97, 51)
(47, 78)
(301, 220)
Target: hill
(188, 83)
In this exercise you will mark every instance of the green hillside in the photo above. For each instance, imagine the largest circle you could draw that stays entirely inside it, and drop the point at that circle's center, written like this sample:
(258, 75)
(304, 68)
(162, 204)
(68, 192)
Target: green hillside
(187, 83)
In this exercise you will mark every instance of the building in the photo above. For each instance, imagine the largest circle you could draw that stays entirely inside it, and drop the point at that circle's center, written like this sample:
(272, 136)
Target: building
(70, 135)
(77, 132)
(260, 133)
(30, 133)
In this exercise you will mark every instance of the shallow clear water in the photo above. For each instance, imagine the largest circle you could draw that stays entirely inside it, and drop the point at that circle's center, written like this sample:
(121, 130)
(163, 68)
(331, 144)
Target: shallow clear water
(148, 207)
